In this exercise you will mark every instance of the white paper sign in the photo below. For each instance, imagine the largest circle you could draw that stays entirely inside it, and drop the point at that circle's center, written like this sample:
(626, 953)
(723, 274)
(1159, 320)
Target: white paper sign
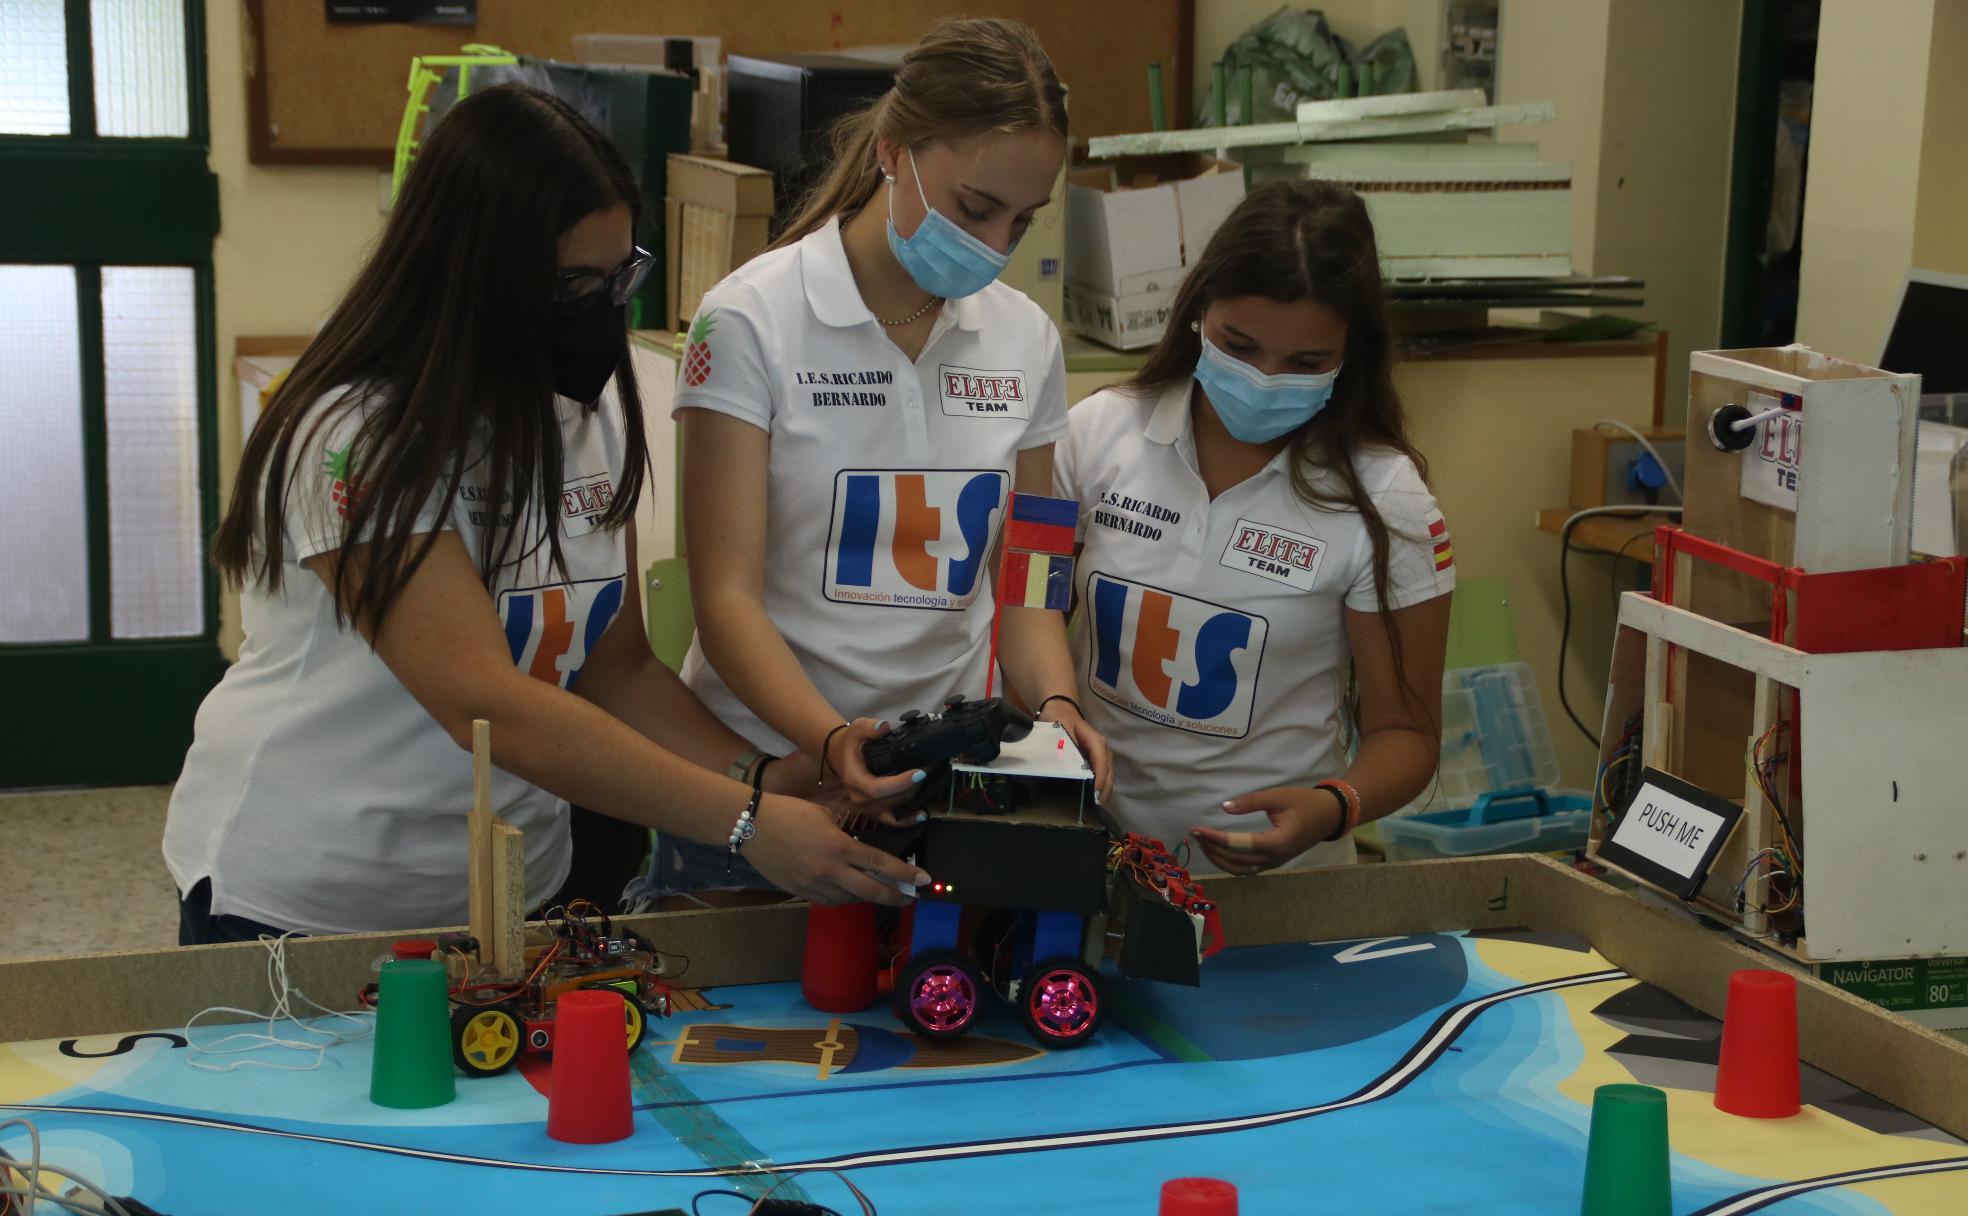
(1668, 830)
(1769, 467)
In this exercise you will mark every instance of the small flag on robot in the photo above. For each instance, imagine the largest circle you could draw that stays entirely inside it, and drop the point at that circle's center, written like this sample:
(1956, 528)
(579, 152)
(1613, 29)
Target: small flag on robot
(1037, 571)
(1038, 558)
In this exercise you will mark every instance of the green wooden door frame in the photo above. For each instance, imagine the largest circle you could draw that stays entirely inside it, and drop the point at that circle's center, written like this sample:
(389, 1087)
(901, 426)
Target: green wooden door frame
(109, 711)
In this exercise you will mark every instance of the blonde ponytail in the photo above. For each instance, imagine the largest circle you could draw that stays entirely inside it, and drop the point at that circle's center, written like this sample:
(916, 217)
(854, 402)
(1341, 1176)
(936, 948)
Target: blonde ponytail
(849, 181)
(964, 78)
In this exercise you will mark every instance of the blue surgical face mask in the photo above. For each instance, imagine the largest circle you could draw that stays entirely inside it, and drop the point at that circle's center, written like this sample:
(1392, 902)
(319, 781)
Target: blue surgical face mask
(942, 258)
(1254, 407)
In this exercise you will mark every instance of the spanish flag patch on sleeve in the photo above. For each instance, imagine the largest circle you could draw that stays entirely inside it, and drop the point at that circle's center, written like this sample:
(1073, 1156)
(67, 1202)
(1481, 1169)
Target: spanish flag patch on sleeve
(1438, 538)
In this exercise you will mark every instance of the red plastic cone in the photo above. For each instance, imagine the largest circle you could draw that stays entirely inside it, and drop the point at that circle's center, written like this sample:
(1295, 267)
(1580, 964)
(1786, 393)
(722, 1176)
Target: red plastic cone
(1757, 1077)
(837, 970)
(588, 1101)
(1198, 1197)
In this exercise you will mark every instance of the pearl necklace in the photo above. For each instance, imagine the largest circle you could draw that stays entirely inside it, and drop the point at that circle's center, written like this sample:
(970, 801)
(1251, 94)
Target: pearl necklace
(917, 315)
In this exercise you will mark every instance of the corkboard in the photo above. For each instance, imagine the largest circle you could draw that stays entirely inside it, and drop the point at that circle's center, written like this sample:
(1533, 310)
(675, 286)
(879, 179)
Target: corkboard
(322, 94)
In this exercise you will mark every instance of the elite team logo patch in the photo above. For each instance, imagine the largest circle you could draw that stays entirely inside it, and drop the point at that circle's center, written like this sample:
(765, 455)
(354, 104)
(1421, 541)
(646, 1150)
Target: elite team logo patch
(970, 392)
(1279, 554)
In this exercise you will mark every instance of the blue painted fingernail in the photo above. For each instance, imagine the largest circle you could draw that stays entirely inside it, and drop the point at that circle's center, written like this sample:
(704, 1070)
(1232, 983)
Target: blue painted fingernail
(922, 816)
(920, 777)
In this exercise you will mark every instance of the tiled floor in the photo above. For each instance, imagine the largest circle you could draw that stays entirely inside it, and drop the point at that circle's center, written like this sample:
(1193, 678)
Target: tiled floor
(81, 872)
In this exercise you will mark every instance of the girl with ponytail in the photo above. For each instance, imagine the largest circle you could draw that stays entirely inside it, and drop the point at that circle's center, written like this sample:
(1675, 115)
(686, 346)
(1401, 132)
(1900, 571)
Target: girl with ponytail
(858, 404)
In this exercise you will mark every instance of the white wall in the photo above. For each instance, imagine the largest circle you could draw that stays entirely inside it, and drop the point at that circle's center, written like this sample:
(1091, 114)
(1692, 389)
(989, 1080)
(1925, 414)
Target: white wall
(1555, 50)
(289, 239)
(1665, 147)
(1867, 118)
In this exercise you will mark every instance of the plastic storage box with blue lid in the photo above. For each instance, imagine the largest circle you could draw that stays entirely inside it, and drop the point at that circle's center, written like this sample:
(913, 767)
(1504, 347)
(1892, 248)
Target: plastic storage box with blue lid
(1493, 790)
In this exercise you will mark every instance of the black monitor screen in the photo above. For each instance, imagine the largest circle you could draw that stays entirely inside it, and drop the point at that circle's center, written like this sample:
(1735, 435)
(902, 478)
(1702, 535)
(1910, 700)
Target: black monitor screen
(1930, 337)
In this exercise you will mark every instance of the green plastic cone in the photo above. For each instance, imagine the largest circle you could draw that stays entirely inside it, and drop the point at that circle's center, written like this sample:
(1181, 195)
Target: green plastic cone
(1626, 1171)
(412, 1065)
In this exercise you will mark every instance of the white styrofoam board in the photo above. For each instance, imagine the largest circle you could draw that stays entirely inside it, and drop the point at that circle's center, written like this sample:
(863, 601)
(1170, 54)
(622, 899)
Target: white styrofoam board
(1389, 104)
(1211, 139)
(1859, 437)
(1555, 266)
(1048, 752)
(1886, 846)
(1403, 172)
(1477, 223)
(1468, 152)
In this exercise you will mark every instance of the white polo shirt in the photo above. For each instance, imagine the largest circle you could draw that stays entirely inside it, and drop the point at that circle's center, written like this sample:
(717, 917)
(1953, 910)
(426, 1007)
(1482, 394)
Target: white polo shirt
(318, 794)
(887, 480)
(1210, 640)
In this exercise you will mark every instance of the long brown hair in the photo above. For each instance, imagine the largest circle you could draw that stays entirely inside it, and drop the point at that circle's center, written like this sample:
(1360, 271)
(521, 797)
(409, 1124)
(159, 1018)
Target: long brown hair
(1306, 240)
(964, 78)
(445, 327)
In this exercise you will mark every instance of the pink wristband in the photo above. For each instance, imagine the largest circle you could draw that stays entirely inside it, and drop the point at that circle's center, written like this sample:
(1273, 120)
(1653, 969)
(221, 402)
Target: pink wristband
(1349, 801)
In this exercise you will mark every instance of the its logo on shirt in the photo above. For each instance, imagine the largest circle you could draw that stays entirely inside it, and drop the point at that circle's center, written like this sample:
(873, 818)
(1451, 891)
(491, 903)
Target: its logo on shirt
(912, 539)
(1182, 662)
(551, 631)
(969, 392)
(1439, 542)
(1279, 554)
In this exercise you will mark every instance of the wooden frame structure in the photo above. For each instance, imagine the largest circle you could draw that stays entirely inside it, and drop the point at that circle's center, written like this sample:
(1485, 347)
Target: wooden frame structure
(1920, 1071)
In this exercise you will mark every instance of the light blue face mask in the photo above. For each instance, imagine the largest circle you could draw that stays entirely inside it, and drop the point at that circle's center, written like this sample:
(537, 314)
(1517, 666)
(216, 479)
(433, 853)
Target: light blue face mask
(942, 258)
(1254, 407)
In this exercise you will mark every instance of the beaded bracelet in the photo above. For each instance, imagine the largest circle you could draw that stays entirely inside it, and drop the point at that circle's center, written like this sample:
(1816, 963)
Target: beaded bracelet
(1349, 802)
(744, 829)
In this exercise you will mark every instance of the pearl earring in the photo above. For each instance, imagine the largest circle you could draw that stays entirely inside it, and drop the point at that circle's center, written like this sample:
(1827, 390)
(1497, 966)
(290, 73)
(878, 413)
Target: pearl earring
(1195, 327)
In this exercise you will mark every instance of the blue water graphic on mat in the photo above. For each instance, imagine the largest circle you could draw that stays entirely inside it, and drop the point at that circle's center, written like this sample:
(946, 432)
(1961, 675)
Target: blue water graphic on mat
(1475, 1123)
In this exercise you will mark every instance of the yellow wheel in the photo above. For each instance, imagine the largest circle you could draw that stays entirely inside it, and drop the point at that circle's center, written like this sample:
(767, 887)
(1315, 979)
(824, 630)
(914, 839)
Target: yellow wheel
(484, 1039)
(638, 1021)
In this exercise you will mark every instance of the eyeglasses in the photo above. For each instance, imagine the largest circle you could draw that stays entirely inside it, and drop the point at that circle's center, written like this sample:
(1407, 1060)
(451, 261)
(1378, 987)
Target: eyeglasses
(577, 290)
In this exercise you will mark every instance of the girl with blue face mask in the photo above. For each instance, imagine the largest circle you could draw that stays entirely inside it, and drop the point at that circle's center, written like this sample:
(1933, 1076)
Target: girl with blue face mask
(858, 403)
(1263, 573)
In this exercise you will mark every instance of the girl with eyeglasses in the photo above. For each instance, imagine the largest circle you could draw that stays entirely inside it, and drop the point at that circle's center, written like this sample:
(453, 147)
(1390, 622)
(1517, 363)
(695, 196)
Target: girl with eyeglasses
(432, 523)
(858, 403)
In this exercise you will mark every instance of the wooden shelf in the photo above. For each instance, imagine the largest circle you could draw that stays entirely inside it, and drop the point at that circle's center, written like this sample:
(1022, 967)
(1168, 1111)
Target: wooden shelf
(1607, 533)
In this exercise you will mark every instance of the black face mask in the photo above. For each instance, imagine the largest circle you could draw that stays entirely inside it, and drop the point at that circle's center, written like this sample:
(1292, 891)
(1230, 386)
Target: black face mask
(587, 348)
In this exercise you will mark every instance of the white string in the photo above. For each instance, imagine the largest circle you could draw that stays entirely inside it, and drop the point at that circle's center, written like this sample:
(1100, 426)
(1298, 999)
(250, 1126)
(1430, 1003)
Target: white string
(31, 1191)
(284, 993)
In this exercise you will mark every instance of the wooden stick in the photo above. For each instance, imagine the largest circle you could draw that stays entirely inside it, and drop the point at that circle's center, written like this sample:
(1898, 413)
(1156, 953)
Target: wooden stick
(480, 863)
(508, 871)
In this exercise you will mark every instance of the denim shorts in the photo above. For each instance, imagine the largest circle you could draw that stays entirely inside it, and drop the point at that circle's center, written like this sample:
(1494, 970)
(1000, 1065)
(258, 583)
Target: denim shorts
(683, 867)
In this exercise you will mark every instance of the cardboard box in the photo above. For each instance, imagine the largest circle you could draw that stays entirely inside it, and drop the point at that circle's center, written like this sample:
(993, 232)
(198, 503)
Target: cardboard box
(1130, 322)
(717, 215)
(1038, 265)
(1133, 225)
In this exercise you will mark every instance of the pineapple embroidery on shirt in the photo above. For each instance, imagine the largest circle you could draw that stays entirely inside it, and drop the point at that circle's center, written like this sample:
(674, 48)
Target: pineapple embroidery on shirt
(697, 359)
(339, 468)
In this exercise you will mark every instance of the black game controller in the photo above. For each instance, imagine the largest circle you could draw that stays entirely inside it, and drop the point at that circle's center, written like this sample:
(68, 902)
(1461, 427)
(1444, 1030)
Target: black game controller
(970, 731)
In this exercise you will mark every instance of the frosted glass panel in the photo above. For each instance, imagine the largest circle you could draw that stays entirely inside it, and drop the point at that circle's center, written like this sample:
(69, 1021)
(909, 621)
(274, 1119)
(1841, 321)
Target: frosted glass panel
(139, 50)
(44, 558)
(33, 68)
(150, 382)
